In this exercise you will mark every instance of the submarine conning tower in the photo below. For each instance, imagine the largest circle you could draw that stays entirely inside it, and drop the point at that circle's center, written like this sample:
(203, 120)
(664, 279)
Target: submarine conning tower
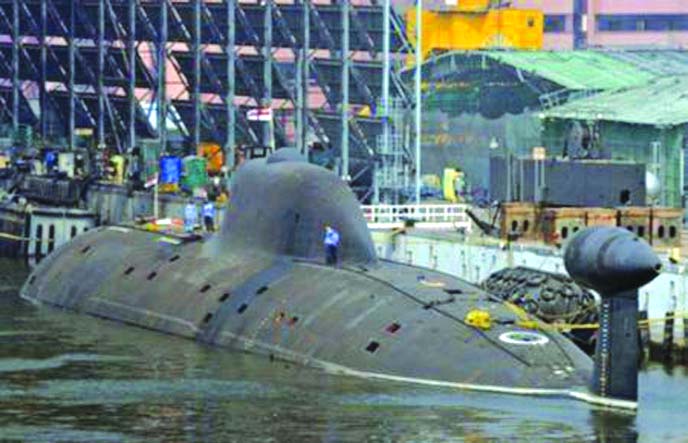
(615, 263)
(281, 204)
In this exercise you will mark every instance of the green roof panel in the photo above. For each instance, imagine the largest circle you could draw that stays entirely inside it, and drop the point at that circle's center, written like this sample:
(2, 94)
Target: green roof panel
(576, 70)
(662, 102)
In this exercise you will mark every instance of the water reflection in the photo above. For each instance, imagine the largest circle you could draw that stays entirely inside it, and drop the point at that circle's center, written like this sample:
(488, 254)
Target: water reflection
(65, 377)
(614, 426)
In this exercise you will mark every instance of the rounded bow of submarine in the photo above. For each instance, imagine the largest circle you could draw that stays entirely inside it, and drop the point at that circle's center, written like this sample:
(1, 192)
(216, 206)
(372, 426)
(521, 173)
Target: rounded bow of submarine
(281, 205)
(610, 260)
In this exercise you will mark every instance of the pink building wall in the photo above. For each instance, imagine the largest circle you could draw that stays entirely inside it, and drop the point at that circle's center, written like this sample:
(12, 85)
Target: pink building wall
(639, 6)
(661, 39)
(595, 37)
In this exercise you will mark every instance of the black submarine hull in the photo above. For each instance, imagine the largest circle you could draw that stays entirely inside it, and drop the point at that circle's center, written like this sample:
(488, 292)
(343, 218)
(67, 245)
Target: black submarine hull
(261, 285)
(388, 319)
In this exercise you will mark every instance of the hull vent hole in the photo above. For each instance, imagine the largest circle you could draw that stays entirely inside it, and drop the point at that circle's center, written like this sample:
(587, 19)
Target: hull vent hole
(372, 346)
(393, 328)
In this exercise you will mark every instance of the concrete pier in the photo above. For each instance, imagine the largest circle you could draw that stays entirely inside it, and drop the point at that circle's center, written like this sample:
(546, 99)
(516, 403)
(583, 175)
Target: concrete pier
(114, 204)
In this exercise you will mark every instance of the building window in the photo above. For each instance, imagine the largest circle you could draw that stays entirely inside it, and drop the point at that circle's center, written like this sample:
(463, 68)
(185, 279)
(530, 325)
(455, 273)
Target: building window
(555, 23)
(642, 23)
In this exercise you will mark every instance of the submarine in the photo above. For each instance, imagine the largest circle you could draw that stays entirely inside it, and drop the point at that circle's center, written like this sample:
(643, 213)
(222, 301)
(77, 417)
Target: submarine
(260, 284)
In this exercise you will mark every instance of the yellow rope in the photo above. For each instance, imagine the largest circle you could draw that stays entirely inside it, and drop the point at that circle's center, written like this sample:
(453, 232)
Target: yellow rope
(527, 322)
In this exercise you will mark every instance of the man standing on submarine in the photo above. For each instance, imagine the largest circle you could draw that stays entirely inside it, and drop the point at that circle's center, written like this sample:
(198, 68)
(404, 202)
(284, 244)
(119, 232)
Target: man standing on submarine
(331, 245)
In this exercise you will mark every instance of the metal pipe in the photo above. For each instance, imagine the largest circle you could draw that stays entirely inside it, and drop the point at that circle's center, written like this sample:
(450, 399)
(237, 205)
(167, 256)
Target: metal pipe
(267, 72)
(305, 73)
(345, 13)
(101, 72)
(196, 48)
(418, 68)
(386, 72)
(298, 111)
(161, 97)
(15, 67)
(72, 65)
(131, 92)
(509, 175)
(229, 99)
(43, 94)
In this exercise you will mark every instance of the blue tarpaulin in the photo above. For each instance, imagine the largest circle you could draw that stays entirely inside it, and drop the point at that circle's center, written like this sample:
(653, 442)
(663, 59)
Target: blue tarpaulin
(170, 169)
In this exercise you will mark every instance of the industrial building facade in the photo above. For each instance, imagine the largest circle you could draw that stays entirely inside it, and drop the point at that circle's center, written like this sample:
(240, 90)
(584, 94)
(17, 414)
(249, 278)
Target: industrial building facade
(646, 124)
(139, 71)
(594, 23)
(481, 104)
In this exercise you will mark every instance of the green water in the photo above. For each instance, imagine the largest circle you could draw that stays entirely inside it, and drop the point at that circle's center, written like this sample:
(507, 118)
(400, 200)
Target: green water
(71, 378)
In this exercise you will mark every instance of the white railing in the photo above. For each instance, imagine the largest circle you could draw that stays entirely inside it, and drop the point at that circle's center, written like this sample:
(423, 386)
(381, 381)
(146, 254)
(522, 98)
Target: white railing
(424, 216)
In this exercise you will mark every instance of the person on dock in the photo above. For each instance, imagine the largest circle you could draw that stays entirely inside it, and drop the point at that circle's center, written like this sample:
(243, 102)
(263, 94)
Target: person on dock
(190, 216)
(331, 245)
(209, 216)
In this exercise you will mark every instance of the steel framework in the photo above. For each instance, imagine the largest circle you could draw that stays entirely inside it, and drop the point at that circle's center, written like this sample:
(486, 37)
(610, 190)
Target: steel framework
(199, 65)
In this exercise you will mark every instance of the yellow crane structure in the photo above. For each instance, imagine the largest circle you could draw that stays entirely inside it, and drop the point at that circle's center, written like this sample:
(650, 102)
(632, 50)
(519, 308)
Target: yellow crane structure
(476, 24)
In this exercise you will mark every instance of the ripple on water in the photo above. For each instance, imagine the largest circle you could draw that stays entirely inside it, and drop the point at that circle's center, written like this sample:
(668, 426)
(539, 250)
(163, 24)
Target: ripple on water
(27, 364)
(108, 391)
(39, 434)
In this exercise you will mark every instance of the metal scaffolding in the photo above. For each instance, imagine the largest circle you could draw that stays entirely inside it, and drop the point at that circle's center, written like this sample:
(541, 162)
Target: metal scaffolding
(328, 71)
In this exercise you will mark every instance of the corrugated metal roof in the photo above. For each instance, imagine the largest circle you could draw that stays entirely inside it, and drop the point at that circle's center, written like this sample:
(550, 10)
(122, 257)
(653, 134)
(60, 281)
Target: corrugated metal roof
(656, 61)
(576, 70)
(572, 70)
(662, 102)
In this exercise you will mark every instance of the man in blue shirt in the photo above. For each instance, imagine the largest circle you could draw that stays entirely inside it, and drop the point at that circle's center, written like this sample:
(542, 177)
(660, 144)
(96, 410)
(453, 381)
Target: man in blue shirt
(209, 216)
(190, 216)
(331, 245)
